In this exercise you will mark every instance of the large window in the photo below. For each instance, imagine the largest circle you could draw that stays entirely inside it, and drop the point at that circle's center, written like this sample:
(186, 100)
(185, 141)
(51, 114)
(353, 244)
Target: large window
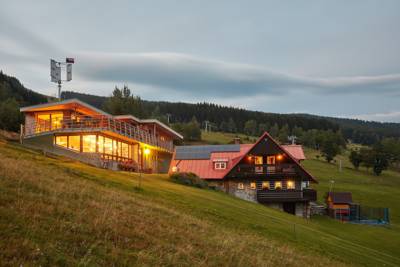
(89, 143)
(108, 149)
(56, 119)
(62, 141)
(124, 150)
(100, 144)
(74, 142)
(42, 123)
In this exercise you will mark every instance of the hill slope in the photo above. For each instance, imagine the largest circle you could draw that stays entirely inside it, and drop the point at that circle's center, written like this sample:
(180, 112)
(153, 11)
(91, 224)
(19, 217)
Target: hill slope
(59, 212)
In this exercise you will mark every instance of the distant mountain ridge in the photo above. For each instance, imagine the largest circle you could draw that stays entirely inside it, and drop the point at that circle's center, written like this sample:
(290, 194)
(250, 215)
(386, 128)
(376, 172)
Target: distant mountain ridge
(359, 131)
(364, 132)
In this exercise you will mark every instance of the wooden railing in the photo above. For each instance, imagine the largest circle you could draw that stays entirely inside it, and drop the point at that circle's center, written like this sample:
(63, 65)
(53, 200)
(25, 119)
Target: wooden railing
(306, 194)
(266, 169)
(97, 123)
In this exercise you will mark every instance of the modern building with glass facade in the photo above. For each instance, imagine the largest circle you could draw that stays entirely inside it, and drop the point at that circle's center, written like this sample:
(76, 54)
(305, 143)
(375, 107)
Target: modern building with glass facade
(78, 130)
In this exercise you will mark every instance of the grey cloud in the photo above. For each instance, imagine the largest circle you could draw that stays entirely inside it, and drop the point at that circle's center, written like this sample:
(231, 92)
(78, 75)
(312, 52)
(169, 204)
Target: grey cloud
(199, 76)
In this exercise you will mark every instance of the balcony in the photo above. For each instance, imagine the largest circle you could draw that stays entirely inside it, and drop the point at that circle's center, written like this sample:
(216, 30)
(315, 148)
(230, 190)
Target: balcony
(266, 169)
(96, 123)
(286, 195)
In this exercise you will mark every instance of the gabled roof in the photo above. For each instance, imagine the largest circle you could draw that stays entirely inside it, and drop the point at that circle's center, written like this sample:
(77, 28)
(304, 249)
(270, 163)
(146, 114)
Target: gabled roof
(266, 135)
(64, 103)
(340, 197)
(199, 159)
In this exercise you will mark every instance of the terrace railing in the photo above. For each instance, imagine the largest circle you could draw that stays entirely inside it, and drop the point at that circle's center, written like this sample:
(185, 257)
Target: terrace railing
(96, 123)
(268, 169)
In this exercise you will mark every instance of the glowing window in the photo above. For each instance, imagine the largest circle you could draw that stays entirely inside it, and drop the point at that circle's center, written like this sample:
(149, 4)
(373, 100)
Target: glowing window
(108, 148)
(100, 144)
(42, 123)
(253, 185)
(265, 185)
(290, 185)
(89, 143)
(115, 147)
(74, 142)
(271, 160)
(62, 141)
(258, 160)
(278, 185)
(240, 186)
(56, 119)
(124, 150)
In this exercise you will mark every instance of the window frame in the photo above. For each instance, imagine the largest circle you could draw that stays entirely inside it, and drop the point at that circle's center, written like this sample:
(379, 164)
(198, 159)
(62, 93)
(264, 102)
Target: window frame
(220, 165)
(240, 186)
(293, 184)
(268, 187)
(253, 185)
(280, 185)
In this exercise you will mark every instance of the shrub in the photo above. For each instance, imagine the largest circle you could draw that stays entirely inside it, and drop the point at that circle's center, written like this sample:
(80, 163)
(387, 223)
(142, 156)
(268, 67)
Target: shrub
(188, 178)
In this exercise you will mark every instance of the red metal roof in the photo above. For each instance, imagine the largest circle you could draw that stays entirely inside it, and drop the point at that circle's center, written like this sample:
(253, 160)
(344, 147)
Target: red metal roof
(295, 150)
(204, 167)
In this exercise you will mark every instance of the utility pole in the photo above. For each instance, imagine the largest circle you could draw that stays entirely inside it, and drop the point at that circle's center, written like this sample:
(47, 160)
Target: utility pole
(168, 117)
(206, 127)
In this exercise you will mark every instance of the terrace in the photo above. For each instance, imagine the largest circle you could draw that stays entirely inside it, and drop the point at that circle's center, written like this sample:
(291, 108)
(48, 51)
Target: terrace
(95, 123)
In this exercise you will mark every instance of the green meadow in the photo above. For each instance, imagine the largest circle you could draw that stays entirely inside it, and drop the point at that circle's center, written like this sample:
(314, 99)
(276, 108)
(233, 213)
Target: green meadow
(54, 211)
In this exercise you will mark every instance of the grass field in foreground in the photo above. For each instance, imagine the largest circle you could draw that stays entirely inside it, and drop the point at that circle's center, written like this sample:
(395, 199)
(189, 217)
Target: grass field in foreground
(60, 212)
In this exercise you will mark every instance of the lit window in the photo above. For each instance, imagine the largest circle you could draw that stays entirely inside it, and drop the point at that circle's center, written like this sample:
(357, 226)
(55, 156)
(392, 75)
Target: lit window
(89, 143)
(278, 185)
(258, 160)
(74, 142)
(125, 150)
(108, 146)
(240, 186)
(62, 141)
(56, 119)
(100, 144)
(271, 160)
(115, 147)
(253, 185)
(220, 165)
(265, 185)
(42, 123)
(290, 185)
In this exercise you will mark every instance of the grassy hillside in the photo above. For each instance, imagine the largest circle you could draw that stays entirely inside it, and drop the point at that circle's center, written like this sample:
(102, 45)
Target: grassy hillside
(59, 212)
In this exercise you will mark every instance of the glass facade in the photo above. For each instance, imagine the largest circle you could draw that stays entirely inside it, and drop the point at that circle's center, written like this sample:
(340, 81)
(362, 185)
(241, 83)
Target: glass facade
(92, 143)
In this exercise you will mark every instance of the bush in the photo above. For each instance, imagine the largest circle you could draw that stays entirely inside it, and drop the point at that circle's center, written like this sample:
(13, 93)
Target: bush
(188, 178)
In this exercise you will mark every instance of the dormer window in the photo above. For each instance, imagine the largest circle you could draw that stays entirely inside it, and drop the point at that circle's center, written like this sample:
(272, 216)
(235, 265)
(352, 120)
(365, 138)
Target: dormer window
(220, 165)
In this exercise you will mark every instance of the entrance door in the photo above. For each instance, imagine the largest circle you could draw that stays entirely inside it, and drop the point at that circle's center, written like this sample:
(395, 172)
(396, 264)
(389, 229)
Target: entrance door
(289, 207)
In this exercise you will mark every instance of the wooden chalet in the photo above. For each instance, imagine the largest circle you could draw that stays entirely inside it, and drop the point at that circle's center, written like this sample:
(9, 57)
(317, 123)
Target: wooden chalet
(264, 172)
(78, 130)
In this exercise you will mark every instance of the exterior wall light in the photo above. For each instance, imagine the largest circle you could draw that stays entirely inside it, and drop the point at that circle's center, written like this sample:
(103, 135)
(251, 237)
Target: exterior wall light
(146, 151)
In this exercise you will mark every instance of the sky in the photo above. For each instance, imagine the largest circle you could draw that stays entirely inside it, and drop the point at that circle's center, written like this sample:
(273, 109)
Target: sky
(332, 58)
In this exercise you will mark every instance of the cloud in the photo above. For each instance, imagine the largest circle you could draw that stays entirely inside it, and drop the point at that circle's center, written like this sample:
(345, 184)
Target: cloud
(201, 76)
(393, 116)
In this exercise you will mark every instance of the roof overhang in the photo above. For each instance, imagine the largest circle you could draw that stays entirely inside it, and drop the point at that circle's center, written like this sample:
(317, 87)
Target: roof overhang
(162, 125)
(69, 104)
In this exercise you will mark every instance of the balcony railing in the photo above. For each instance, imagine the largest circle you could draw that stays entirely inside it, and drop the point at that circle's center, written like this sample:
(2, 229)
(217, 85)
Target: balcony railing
(96, 123)
(266, 169)
(286, 195)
